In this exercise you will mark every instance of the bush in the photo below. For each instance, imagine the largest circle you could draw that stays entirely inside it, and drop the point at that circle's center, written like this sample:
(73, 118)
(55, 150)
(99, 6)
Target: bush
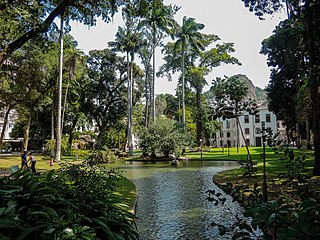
(163, 135)
(75, 203)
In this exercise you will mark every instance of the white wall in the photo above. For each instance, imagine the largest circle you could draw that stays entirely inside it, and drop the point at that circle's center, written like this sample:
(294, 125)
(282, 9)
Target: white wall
(250, 129)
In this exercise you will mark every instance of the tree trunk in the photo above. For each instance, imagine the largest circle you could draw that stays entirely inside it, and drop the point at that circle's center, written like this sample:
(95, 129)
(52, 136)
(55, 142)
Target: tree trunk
(5, 123)
(130, 73)
(308, 134)
(58, 106)
(238, 138)
(71, 133)
(101, 137)
(183, 92)
(199, 116)
(26, 131)
(147, 98)
(244, 139)
(71, 73)
(154, 79)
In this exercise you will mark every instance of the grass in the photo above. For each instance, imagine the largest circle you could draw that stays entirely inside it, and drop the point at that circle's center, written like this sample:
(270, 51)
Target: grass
(276, 164)
(127, 193)
(41, 165)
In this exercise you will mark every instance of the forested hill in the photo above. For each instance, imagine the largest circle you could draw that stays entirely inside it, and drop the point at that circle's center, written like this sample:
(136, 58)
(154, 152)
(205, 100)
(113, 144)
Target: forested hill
(257, 93)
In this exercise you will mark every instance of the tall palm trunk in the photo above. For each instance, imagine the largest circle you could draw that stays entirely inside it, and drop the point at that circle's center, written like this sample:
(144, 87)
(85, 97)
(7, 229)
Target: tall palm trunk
(73, 126)
(129, 73)
(308, 134)
(26, 131)
(147, 98)
(183, 91)
(154, 78)
(71, 73)
(59, 99)
(199, 116)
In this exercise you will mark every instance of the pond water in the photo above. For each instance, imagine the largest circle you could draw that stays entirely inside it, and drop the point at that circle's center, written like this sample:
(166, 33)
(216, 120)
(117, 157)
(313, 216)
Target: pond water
(172, 200)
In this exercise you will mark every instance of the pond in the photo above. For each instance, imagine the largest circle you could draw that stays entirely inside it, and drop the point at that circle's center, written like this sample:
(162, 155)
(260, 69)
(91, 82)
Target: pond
(172, 200)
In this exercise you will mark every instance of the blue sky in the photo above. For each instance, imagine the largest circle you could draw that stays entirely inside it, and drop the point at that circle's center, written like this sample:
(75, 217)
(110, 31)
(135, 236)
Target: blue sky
(228, 19)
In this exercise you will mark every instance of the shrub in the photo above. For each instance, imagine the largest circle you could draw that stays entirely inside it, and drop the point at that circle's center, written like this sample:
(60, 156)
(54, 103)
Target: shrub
(75, 203)
(163, 135)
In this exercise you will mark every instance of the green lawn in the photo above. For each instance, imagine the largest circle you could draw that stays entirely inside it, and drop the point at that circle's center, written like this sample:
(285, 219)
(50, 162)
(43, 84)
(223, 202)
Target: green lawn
(276, 163)
(41, 165)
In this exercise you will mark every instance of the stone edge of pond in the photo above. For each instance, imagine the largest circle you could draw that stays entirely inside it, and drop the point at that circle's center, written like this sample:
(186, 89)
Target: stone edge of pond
(234, 194)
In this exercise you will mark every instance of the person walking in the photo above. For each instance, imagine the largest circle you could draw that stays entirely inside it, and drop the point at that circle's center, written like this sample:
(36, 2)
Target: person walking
(24, 162)
(32, 162)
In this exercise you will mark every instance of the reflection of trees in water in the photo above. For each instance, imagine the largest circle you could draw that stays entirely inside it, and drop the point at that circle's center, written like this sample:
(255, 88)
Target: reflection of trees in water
(172, 201)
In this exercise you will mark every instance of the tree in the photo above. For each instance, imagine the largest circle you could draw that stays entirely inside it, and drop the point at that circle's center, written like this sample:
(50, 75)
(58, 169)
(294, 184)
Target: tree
(103, 93)
(31, 67)
(307, 15)
(163, 135)
(129, 40)
(286, 58)
(230, 101)
(145, 54)
(159, 20)
(74, 70)
(188, 37)
(21, 21)
(198, 65)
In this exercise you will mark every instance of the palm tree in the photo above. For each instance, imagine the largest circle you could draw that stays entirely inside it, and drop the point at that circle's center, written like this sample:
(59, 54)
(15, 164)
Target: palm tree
(159, 19)
(188, 36)
(145, 55)
(127, 40)
(59, 98)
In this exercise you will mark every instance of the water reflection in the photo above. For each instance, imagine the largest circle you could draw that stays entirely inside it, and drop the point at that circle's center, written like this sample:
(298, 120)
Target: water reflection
(172, 200)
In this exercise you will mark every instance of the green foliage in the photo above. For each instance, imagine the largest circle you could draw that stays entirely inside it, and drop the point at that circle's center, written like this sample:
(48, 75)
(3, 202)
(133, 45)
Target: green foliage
(65, 150)
(79, 152)
(231, 98)
(74, 203)
(248, 166)
(287, 219)
(106, 72)
(163, 135)
(99, 156)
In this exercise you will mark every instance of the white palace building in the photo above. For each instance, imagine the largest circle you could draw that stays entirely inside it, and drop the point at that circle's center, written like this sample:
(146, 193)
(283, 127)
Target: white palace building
(251, 126)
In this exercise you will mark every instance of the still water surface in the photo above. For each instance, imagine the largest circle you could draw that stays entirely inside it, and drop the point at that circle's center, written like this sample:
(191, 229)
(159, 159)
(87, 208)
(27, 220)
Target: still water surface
(172, 200)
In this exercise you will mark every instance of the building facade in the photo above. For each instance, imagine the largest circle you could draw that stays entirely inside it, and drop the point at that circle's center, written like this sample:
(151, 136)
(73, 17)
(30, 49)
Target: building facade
(251, 126)
(10, 124)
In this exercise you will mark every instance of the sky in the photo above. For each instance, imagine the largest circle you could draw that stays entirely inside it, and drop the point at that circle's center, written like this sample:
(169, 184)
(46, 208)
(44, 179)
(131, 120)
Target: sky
(228, 19)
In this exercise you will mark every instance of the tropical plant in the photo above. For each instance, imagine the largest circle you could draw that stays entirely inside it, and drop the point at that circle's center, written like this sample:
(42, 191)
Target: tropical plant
(163, 135)
(54, 206)
(198, 64)
(158, 19)
(188, 37)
